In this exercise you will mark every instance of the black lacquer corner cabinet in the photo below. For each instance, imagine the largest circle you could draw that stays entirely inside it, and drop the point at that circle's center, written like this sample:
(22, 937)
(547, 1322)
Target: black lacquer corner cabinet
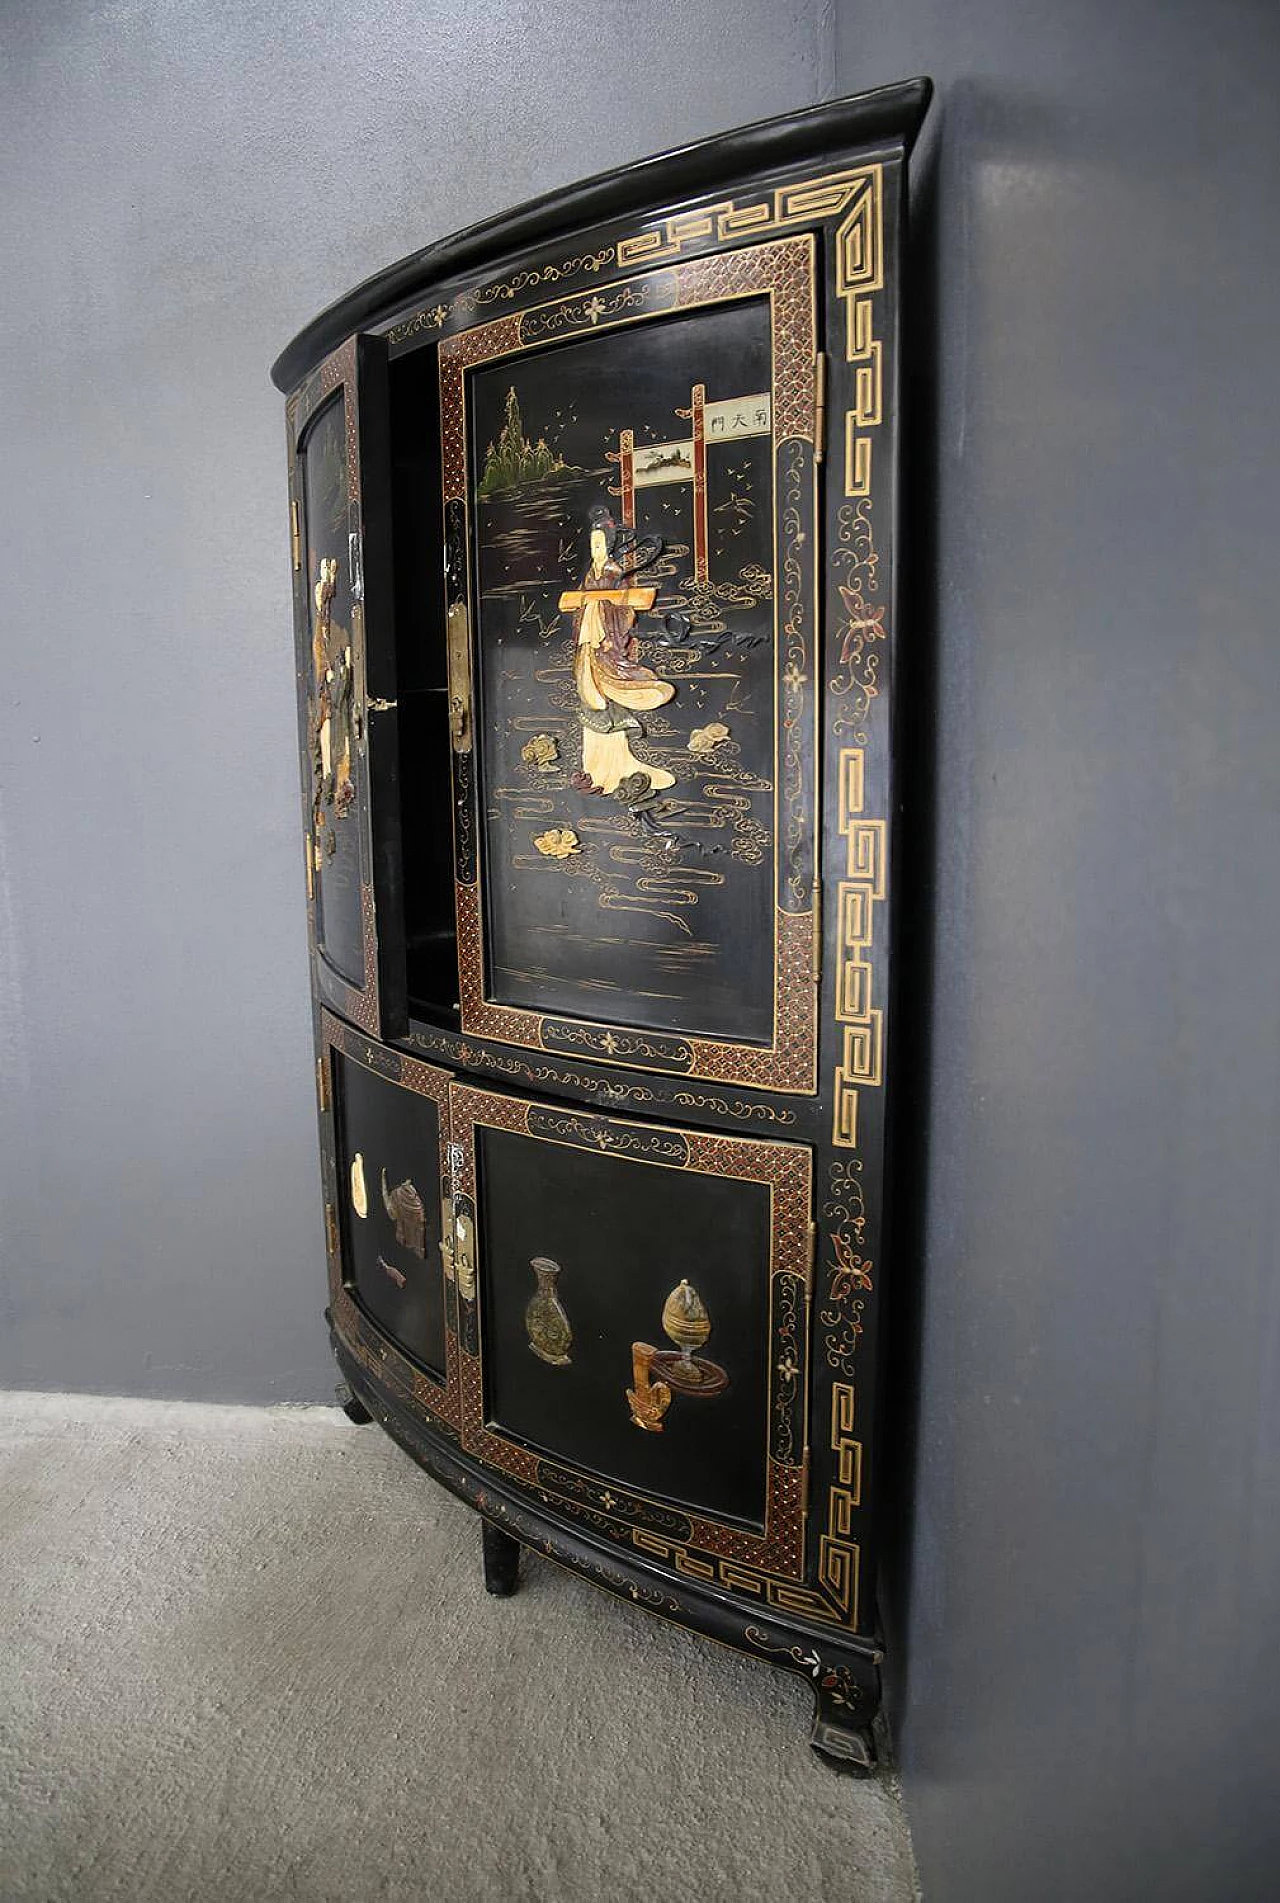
(593, 515)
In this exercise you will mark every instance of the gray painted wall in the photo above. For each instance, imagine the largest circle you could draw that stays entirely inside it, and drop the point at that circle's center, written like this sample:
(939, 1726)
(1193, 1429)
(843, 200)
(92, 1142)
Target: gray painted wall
(181, 187)
(1090, 1706)
(1090, 1612)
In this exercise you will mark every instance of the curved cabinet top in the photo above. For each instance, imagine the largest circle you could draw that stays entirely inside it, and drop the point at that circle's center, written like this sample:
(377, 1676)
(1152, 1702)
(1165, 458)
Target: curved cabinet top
(889, 114)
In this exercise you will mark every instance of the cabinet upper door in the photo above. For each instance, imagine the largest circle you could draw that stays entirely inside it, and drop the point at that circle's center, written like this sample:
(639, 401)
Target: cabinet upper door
(629, 480)
(341, 538)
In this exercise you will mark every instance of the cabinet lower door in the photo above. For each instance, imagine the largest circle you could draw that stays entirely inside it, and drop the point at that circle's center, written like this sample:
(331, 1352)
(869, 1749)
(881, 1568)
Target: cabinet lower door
(633, 664)
(390, 1211)
(633, 1327)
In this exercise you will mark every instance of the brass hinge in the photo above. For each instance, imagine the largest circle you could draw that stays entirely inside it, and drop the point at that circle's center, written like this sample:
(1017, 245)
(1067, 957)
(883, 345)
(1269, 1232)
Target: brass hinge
(464, 1254)
(378, 706)
(446, 1237)
(820, 407)
(322, 1084)
(459, 639)
(813, 1256)
(331, 1228)
(295, 535)
(817, 931)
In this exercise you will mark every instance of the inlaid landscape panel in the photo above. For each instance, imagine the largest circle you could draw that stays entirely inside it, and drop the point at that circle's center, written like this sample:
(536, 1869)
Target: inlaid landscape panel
(628, 761)
(635, 476)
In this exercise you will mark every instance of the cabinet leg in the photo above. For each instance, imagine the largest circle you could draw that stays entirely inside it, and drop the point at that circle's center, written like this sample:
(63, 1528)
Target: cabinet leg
(839, 1740)
(354, 1410)
(501, 1560)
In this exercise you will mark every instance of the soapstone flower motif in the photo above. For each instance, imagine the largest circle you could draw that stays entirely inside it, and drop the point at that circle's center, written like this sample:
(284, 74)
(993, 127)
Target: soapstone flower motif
(541, 752)
(707, 739)
(558, 842)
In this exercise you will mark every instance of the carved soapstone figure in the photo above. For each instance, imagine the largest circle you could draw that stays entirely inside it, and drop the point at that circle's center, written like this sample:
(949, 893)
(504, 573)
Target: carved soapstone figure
(545, 1317)
(331, 727)
(404, 1206)
(359, 1191)
(686, 1322)
(613, 685)
(648, 1400)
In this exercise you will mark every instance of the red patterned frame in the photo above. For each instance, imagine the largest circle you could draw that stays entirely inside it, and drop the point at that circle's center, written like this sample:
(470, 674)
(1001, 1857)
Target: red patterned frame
(785, 269)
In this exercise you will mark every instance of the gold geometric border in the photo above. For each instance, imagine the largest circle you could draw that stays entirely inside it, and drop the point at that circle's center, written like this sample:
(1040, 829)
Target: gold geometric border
(859, 272)
(803, 202)
(856, 197)
(785, 270)
(838, 1554)
(787, 1170)
(861, 1022)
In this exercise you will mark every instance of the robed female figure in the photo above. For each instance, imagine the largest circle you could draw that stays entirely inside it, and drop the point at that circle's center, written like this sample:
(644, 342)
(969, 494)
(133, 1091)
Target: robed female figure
(613, 686)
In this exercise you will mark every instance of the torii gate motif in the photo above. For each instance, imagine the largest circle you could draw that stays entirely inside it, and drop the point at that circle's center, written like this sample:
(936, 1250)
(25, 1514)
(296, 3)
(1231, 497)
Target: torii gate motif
(726, 421)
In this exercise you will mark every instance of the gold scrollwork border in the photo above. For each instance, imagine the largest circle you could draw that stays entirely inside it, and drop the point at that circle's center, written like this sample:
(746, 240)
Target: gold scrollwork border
(435, 316)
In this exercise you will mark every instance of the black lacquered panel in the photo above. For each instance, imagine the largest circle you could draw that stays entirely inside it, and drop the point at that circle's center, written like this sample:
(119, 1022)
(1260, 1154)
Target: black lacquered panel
(335, 814)
(623, 1235)
(663, 914)
(389, 1162)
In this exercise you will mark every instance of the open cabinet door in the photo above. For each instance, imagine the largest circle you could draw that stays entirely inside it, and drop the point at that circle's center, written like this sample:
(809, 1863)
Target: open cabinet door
(343, 616)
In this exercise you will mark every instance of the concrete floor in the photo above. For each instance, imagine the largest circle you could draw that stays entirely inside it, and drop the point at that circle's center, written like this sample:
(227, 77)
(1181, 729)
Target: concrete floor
(247, 1655)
